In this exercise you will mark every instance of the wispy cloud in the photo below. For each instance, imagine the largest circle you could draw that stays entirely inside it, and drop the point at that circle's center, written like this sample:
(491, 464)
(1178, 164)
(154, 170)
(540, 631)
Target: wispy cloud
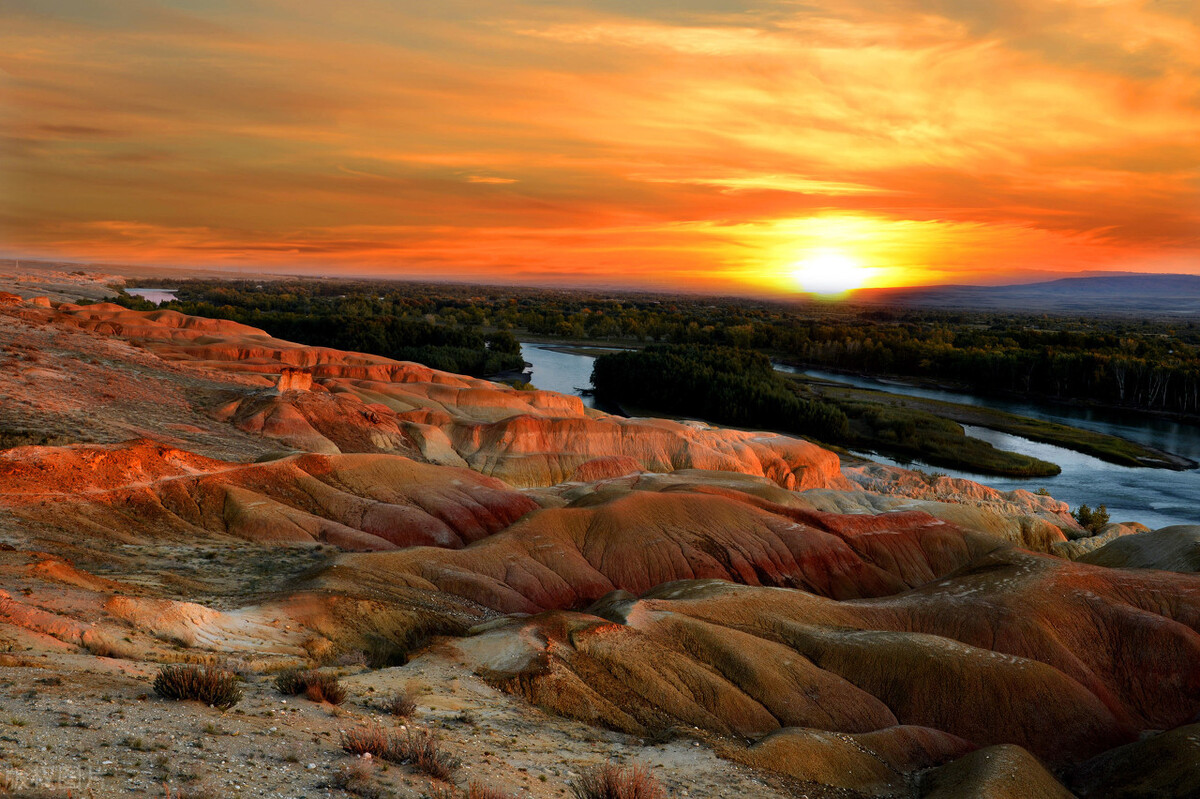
(687, 141)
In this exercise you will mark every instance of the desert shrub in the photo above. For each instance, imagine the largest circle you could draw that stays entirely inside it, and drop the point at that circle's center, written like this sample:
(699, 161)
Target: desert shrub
(325, 688)
(611, 781)
(401, 705)
(420, 749)
(206, 684)
(314, 685)
(373, 740)
(289, 682)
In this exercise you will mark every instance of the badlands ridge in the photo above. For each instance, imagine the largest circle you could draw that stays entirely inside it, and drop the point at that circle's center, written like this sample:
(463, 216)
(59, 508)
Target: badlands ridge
(742, 610)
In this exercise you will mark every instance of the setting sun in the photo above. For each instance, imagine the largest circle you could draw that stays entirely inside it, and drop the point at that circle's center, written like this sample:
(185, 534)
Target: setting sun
(830, 273)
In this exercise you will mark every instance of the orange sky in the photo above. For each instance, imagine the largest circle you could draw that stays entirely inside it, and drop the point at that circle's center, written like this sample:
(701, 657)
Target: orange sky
(705, 144)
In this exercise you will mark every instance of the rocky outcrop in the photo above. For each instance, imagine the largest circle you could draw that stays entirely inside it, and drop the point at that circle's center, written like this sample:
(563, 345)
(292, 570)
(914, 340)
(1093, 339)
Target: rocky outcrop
(293, 380)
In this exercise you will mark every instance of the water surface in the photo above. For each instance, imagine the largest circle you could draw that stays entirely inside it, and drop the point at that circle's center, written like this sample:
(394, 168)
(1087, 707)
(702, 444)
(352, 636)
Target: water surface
(1155, 497)
(156, 296)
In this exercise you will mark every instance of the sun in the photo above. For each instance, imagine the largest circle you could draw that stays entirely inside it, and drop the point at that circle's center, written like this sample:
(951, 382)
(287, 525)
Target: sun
(830, 272)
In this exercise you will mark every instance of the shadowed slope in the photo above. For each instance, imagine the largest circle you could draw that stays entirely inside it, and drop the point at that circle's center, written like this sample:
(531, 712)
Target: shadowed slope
(1164, 766)
(869, 764)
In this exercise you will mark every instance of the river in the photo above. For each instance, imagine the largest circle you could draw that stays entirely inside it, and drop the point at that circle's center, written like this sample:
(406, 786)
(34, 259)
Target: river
(564, 372)
(1154, 497)
(156, 296)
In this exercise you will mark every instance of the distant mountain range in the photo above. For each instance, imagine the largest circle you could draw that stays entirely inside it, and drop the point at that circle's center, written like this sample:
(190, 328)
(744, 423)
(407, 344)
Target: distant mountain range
(1132, 294)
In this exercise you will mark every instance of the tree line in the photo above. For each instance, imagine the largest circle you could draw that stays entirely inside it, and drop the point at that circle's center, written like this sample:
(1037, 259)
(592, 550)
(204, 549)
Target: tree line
(1137, 364)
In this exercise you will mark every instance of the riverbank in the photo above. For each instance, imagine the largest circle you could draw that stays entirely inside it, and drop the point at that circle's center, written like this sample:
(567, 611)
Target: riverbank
(903, 383)
(1106, 447)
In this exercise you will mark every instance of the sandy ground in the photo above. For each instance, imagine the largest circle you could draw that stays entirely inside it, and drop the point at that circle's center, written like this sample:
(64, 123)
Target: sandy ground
(94, 725)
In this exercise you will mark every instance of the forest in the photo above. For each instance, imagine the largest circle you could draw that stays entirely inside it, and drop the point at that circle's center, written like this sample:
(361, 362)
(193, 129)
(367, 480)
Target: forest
(719, 384)
(1146, 365)
(741, 388)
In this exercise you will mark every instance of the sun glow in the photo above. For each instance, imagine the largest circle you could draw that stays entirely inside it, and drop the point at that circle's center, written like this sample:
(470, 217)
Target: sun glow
(831, 273)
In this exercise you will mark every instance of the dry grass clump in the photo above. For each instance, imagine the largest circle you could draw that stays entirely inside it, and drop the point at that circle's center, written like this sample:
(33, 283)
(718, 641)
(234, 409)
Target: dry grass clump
(370, 740)
(357, 778)
(316, 686)
(611, 781)
(474, 791)
(420, 749)
(206, 684)
(401, 705)
(417, 748)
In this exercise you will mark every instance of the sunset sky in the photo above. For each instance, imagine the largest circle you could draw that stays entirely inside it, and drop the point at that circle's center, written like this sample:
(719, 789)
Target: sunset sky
(709, 144)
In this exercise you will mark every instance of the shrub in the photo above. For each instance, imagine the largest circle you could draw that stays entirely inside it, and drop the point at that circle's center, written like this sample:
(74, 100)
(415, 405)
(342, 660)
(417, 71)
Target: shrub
(1093, 520)
(358, 779)
(611, 781)
(418, 748)
(316, 686)
(930, 478)
(206, 684)
(289, 682)
(372, 740)
(401, 705)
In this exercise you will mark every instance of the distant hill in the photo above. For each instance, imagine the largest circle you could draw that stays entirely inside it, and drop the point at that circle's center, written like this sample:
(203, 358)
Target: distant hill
(1137, 294)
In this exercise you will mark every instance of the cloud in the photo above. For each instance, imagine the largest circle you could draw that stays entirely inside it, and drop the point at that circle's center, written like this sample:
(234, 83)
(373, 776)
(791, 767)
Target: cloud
(508, 139)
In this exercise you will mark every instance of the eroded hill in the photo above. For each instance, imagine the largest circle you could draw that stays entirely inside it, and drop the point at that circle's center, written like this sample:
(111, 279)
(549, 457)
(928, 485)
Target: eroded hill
(193, 489)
